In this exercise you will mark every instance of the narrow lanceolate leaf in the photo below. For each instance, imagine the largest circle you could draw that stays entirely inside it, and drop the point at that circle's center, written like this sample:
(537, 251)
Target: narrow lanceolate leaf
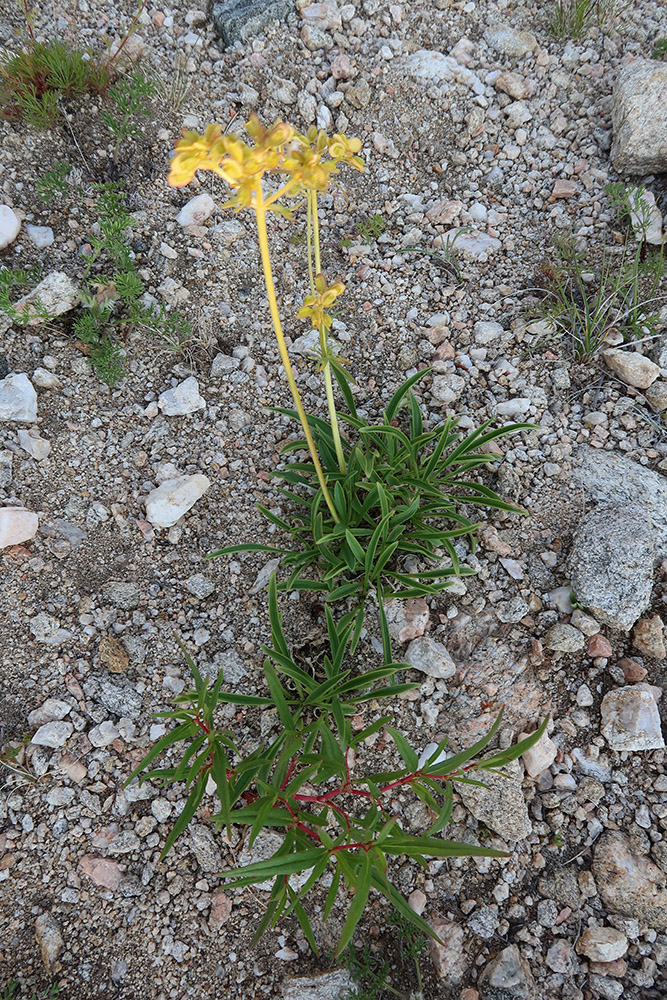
(189, 809)
(458, 760)
(511, 753)
(244, 547)
(260, 871)
(182, 732)
(362, 889)
(446, 811)
(410, 758)
(278, 695)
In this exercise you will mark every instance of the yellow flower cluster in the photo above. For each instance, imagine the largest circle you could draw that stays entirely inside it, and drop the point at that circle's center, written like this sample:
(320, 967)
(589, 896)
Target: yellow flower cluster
(315, 306)
(308, 160)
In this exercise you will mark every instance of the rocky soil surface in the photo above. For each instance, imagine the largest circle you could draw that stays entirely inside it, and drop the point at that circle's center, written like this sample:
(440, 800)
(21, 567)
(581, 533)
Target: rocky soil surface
(474, 119)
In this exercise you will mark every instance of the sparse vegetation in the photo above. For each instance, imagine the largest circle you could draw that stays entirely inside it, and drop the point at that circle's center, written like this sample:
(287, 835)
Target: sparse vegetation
(585, 304)
(54, 182)
(574, 18)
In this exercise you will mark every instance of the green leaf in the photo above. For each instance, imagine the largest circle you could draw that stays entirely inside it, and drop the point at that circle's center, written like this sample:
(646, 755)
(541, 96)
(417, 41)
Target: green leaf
(399, 395)
(332, 893)
(362, 890)
(182, 732)
(277, 633)
(244, 547)
(409, 756)
(189, 809)
(278, 696)
(260, 871)
(446, 811)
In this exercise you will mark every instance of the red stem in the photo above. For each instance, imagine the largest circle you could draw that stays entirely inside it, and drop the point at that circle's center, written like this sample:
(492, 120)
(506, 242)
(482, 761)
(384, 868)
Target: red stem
(130, 31)
(27, 19)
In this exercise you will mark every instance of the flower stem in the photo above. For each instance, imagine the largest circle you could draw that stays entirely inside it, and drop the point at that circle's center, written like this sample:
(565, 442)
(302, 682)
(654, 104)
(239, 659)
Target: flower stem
(260, 213)
(326, 367)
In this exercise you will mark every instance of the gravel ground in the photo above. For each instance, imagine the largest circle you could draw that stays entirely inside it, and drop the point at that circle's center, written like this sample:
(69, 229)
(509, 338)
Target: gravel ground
(511, 140)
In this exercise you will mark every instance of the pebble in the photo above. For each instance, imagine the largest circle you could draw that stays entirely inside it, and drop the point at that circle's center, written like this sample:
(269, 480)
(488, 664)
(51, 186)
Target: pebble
(564, 638)
(656, 396)
(448, 955)
(199, 586)
(485, 332)
(10, 224)
(630, 719)
(36, 446)
(407, 620)
(500, 805)
(598, 645)
(205, 849)
(629, 883)
(222, 365)
(510, 42)
(474, 245)
(196, 211)
(648, 637)
(584, 623)
(611, 564)
(18, 400)
(639, 118)
(53, 734)
(602, 944)
(122, 594)
(507, 975)
(49, 939)
(102, 871)
(52, 710)
(40, 236)
(539, 757)
(45, 379)
(560, 958)
(104, 734)
(113, 655)
(631, 367)
(169, 502)
(325, 986)
(17, 525)
(182, 400)
(633, 672)
(57, 294)
(430, 657)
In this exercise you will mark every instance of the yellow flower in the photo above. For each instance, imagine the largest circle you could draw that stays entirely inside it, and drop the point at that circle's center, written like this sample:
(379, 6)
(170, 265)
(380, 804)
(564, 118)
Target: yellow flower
(344, 150)
(315, 306)
(196, 152)
(306, 168)
(241, 165)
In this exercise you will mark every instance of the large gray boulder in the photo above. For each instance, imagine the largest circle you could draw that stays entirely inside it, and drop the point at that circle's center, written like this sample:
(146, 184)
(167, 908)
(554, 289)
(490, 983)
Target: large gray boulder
(639, 118)
(612, 479)
(611, 564)
(239, 20)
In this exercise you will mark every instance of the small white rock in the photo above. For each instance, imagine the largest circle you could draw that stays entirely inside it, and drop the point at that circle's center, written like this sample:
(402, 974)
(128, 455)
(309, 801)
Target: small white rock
(602, 944)
(631, 367)
(45, 379)
(430, 657)
(198, 210)
(540, 756)
(18, 399)
(170, 501)
(183, 399)
(52, 710)
(40, 236)
(10, 225)
(103, 735)
(53, 734)
(57, 294)
(17, 525)
(35, 446)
